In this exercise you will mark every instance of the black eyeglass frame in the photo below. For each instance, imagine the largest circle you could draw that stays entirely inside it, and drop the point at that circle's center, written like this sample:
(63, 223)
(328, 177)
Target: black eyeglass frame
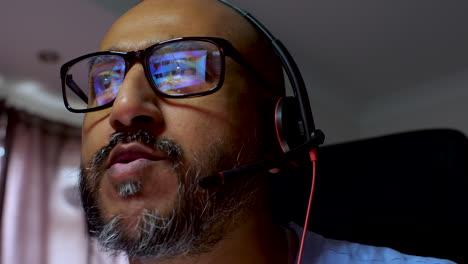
(142, 56)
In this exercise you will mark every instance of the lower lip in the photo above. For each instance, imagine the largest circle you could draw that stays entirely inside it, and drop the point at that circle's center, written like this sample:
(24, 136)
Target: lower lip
(129, 171)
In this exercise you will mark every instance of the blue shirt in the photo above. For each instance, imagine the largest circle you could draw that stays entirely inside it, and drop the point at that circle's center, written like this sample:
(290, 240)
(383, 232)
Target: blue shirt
(320, 250)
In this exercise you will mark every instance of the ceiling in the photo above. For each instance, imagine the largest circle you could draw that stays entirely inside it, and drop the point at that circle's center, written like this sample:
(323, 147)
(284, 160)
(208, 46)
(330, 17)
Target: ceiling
(350, 52)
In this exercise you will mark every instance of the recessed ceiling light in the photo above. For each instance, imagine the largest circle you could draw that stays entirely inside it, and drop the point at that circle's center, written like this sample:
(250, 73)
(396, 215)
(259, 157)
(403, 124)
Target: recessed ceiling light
(48, 56)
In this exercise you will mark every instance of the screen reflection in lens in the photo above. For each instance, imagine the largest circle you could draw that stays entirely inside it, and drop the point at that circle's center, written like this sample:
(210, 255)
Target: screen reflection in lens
(106, 77)
(179, 72)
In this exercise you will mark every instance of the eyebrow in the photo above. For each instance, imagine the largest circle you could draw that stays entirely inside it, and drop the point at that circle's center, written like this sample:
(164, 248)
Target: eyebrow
(129, 46)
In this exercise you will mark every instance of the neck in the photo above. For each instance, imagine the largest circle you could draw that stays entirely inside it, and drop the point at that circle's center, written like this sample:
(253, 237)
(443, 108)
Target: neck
(256, 240)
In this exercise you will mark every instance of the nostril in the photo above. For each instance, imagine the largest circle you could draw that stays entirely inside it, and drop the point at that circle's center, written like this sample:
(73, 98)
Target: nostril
(142, 119)
(136, 123)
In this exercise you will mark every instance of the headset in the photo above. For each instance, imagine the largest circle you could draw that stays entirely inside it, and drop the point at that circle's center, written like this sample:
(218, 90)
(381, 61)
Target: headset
(295, 128)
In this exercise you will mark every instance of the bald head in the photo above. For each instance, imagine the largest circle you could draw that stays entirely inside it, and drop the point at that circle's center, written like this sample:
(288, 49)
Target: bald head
(195, 17)
(170, 19)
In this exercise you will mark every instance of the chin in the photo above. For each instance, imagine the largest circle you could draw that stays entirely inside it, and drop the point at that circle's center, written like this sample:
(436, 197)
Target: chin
(133, 207)
(132, 198)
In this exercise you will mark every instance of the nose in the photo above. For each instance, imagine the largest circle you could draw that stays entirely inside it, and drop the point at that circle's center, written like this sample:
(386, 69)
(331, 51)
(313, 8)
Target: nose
(136, 105)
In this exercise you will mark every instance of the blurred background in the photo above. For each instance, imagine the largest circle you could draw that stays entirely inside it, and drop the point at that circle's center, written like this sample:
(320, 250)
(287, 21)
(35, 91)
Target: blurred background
(371, 67)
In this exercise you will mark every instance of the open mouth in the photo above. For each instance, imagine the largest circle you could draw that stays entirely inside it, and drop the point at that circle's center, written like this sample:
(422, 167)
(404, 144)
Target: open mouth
(127, 153)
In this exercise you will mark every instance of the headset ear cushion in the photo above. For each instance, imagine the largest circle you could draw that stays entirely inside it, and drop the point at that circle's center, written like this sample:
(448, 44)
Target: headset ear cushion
(289, 123)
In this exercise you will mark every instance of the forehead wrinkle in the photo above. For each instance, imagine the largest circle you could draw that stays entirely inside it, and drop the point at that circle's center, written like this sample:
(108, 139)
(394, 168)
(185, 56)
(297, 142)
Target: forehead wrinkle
(132, 46)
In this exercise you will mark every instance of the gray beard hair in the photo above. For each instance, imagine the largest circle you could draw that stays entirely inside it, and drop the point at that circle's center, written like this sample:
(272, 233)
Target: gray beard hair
(129, 189)
(199, 218)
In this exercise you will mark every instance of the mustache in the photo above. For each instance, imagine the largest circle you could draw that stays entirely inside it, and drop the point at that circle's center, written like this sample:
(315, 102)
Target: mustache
(168, 147)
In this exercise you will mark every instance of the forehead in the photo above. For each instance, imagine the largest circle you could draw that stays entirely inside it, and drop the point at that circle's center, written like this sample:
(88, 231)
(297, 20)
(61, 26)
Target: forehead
(154, 21)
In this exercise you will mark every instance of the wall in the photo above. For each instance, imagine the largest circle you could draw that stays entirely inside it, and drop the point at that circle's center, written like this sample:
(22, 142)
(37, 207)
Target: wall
(333, 113)
(438, 103)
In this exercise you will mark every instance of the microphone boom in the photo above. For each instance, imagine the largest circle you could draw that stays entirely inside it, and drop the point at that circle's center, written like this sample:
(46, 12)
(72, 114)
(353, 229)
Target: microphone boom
(317, 138)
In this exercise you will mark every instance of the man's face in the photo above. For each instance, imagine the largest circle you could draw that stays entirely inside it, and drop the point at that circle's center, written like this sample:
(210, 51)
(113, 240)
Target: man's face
(142, 157)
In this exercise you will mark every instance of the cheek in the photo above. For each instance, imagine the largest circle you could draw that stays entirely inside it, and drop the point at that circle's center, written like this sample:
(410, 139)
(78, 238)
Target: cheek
(94, 135)
(209, 123)
(196, 130)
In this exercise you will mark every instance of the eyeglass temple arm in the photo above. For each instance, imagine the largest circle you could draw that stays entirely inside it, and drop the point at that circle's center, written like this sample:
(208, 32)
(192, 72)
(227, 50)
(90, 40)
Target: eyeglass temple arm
(74, 87)
(237, 57)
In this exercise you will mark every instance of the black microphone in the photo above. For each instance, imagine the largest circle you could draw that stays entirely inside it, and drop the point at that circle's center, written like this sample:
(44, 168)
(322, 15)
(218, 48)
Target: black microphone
(317, 137)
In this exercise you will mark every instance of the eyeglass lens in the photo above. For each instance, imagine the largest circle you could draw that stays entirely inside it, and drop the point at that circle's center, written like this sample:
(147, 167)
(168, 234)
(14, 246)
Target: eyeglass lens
(177, 69)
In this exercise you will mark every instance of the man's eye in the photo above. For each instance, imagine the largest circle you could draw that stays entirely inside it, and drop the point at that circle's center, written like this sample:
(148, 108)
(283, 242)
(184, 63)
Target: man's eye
(106, 80)
(105, 86)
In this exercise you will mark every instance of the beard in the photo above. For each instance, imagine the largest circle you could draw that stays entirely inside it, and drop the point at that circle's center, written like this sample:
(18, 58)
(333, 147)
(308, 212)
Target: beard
(198, 220)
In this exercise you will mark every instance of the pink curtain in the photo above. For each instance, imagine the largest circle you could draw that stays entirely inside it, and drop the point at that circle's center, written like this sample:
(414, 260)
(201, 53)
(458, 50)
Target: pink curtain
(42, 219)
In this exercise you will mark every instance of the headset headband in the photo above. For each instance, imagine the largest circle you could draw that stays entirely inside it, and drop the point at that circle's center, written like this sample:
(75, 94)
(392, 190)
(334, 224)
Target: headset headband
(291, 68)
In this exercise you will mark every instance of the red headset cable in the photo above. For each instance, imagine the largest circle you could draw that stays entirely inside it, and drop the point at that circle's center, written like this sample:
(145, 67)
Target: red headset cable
(313, 159)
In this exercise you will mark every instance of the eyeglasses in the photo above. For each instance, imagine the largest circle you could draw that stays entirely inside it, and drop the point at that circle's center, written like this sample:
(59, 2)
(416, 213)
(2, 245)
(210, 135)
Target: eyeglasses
(176, 68)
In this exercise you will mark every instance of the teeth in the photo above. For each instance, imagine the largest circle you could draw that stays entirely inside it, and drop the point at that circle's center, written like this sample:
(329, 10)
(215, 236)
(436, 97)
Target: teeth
(129, 188)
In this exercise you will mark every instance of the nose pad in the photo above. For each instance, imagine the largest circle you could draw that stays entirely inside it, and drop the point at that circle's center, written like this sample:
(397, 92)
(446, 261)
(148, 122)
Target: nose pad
(136, 106)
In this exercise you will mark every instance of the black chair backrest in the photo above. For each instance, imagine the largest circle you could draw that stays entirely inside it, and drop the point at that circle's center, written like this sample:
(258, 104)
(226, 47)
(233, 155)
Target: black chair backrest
(407, 191)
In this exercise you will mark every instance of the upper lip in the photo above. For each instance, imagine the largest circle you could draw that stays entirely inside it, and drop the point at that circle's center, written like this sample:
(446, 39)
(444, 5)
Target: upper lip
(125, 153)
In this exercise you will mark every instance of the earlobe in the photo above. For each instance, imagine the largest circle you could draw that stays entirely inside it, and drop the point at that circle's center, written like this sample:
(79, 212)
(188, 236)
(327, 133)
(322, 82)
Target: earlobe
(274, 170)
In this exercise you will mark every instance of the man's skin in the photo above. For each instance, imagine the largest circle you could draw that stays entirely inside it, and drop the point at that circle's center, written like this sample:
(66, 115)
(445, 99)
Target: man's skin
(233, 118)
